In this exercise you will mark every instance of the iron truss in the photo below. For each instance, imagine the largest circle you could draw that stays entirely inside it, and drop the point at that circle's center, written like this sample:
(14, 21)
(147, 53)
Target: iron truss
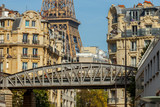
(71, 75)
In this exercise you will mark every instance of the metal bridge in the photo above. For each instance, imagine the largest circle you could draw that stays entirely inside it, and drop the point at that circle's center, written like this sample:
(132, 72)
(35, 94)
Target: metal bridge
(69, 75)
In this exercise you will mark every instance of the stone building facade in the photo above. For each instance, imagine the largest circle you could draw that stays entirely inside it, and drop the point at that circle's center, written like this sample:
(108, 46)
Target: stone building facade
(147, 77)
(27, 42)
(139, 25)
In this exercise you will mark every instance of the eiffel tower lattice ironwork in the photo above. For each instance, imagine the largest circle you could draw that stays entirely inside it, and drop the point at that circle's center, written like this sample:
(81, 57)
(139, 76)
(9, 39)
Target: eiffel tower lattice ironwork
(58, 8)
(61, 16)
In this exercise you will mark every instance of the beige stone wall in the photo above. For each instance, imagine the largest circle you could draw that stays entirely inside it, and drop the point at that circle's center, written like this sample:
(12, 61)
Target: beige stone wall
(15, 44)
(92, 50)
(120, 26)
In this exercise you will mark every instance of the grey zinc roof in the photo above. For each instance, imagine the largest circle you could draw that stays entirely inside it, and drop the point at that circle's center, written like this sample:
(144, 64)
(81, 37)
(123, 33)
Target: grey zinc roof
(118, 9)
(16, 23)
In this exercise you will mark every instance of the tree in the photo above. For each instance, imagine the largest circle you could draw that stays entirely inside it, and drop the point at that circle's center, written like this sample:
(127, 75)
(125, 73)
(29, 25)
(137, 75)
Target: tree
(41, 98)
(131, 90)
(92, 98)
(144, 50)
(17, 98)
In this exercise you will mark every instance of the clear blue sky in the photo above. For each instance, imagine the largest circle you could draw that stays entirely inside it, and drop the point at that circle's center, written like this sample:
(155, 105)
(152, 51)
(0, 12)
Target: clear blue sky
(91, 13)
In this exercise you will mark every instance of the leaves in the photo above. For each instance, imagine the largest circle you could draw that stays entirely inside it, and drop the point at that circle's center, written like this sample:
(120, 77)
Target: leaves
(92, 98)
(131, 90)
(41, 98)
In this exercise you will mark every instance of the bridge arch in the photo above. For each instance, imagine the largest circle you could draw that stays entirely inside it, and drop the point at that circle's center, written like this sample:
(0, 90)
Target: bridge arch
(69, 76)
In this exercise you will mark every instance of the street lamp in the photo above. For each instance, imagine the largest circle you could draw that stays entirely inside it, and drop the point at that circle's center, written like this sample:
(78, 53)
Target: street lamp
(116, 32)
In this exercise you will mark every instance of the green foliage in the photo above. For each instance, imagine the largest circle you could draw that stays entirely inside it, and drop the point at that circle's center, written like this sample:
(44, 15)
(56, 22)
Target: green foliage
(92, 98)
(131, 90)
(144, 50)
(41, 98)
(17, 98)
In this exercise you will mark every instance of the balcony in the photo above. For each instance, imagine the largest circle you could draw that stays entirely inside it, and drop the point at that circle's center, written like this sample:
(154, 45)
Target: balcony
(112, 100)
(1, 41)
(25, 56)
(133, 49)
(142, 32)
(35, 42)
(35, 56)
(25, 41)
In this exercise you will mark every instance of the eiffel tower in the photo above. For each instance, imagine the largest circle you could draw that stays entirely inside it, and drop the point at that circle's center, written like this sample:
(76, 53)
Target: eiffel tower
(61, 15)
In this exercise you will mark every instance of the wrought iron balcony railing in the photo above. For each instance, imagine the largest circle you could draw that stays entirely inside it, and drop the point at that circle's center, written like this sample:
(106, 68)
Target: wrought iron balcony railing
(36, 42)
(25, 41)
(142, 32)
(112, 100)
(25, 56)
(133, 49)
(1, 41)
(35, 56)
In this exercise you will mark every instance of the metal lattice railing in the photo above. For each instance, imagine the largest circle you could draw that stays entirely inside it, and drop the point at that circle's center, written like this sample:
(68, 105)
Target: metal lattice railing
(72, 75)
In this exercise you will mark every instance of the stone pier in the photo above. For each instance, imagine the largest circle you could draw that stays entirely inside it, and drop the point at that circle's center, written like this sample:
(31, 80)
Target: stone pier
(5, 98)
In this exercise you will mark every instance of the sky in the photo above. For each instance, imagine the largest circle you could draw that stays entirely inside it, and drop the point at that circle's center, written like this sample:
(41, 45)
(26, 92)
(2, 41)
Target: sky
(91, 13)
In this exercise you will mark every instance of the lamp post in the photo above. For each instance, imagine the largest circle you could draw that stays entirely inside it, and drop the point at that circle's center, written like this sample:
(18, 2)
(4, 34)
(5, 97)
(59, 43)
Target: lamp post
(125, 68)
(125, 85)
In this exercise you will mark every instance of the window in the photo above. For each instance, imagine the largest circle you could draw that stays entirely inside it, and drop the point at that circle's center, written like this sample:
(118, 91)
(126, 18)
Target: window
(76, 48)
(35, 52)
(113, 47)
(1, 66)
(35, 39)
(134, 15)
(134, 30)
(8, 36)
(133, 46)
(25, 51)
(24, 66)
(1, 52)
(147, 42)
(1, 23)
(27, 23)
(7, 50)
(75, 39)
(34, 65)
(151, 68)
(148, 29)
(157, 61)
(115, 18)
(1, 39)
(113, 94)
(154, 64)
(133, 61)
(33, 23)
(147, 12)
(113, 61)
(8, 23)
(25, 38)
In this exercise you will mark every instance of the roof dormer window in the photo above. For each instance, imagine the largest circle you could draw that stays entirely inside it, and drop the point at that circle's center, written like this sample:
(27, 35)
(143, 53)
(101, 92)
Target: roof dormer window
(147, 12)
(134, 15)
(115, 18)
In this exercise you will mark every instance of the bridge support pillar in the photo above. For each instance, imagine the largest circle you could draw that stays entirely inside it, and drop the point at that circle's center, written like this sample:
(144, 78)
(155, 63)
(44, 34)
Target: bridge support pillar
(29, 99)
(5, 98)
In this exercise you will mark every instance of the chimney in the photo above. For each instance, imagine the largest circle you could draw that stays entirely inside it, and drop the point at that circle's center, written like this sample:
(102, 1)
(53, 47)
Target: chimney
(3, 7)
